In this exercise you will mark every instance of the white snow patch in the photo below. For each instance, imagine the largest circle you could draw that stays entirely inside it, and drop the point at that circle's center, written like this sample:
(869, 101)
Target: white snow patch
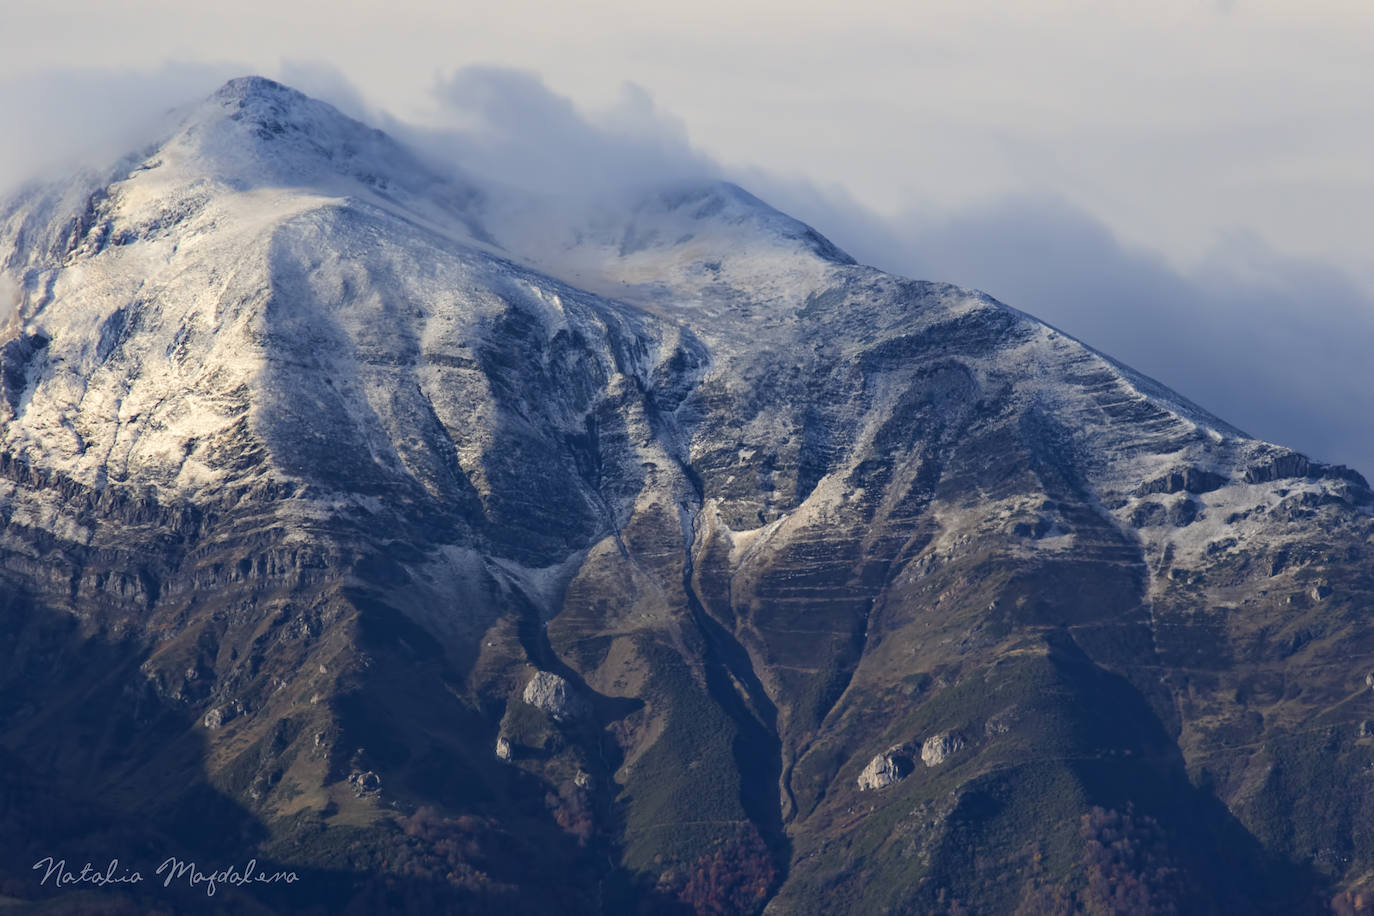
(543, 585)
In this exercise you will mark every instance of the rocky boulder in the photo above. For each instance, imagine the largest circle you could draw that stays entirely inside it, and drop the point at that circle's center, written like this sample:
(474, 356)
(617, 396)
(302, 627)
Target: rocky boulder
(218, 718)
(365, 783)
(887, 768)
(552, 694)
(938, 748)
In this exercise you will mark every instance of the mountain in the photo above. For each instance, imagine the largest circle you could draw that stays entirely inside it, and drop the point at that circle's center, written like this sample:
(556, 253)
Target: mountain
(458, 552)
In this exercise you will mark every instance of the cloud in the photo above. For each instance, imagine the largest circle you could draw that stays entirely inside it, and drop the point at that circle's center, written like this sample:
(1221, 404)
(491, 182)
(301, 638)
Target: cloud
(505, 124)
(322, 80)
(62, 119)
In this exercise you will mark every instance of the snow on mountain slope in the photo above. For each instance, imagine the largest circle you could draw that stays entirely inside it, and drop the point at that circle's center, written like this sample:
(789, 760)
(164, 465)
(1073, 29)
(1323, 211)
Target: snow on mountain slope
(691, 244)
(273, 273)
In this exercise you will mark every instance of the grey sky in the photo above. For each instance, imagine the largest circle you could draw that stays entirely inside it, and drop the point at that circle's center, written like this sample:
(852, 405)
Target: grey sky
(1185, 185)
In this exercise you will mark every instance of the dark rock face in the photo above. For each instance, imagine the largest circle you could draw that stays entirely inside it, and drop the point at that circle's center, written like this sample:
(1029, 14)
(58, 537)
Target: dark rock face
(1278, 468)
(710, 565)
(1191, 480)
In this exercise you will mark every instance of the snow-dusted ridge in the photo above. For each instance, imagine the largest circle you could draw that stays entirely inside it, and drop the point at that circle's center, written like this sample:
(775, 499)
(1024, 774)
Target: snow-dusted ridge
(270, 253)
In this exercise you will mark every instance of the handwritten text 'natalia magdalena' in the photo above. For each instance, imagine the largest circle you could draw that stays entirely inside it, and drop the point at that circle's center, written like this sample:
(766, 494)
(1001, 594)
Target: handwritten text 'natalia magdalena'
(171, 869)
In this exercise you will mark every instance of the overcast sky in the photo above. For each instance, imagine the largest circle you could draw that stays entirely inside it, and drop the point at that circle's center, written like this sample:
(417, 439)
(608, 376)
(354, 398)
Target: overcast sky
(1186, 185)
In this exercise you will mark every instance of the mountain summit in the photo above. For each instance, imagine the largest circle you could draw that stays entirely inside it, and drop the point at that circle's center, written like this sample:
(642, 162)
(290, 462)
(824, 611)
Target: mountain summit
(462, 553)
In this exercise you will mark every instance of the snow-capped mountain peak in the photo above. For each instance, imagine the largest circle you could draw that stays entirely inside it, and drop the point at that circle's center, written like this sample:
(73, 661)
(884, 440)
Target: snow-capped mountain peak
(255, 132)
(372, 490)
(268, 233)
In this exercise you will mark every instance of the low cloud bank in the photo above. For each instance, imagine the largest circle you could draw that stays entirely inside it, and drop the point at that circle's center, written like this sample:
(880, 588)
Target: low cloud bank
(60, 120)
(508, 126)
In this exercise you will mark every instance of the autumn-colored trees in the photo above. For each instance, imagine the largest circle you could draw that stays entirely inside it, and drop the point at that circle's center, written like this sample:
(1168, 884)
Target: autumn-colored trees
(731, 880)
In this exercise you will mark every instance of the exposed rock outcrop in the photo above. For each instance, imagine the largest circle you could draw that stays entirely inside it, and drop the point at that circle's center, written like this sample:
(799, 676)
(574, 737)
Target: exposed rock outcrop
(365, 783)
(223, 715)
(939, 748)
(1190, 480)
(551, 694)
(1278, 468)
(891, 766)
(1183, 512)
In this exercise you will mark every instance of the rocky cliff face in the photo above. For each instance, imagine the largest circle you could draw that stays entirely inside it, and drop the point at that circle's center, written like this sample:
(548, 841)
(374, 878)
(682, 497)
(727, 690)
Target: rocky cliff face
(324, 476)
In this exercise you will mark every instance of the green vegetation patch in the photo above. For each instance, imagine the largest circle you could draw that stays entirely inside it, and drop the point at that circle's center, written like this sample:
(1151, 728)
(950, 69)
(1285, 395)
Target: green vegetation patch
(682, 793)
